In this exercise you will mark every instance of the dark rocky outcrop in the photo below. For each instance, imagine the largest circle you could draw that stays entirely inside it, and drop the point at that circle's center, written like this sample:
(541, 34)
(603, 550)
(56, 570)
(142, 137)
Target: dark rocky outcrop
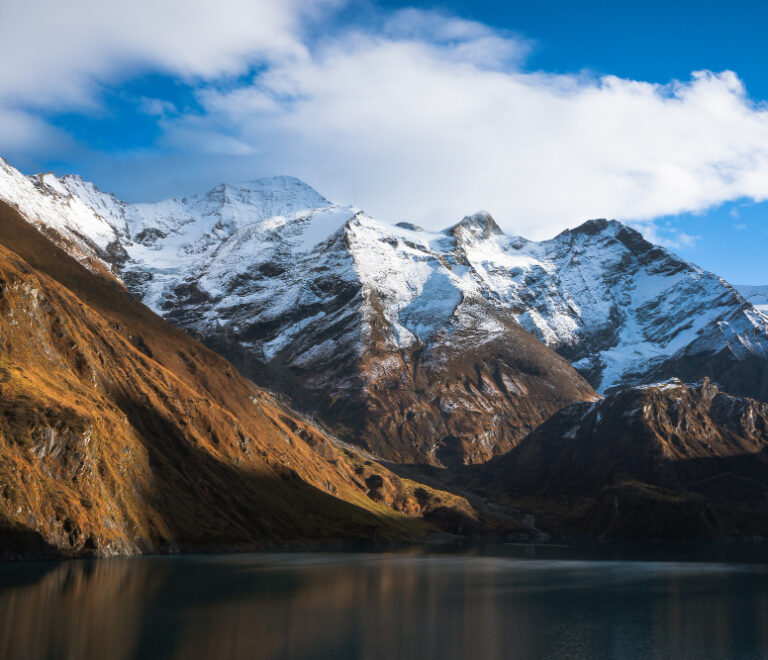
(654, 461)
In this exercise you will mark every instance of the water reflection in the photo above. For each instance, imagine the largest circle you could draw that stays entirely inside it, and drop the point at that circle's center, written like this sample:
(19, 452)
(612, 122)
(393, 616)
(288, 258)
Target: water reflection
(500, 603)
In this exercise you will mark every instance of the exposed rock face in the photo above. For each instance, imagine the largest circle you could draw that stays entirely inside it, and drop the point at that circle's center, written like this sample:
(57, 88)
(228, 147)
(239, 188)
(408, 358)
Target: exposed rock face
(381, 337)
(385, 332)
(643, 314)
(403, 340)
(121, 434)
(660, 460)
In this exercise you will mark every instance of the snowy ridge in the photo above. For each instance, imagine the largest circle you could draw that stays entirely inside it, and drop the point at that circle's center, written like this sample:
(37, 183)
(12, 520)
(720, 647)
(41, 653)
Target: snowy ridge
(617, 305)
(65, 206)
(289, 275)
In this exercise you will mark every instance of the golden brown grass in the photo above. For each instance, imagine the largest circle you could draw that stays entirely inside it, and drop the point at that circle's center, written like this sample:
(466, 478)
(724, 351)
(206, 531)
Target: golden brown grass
(121, 434)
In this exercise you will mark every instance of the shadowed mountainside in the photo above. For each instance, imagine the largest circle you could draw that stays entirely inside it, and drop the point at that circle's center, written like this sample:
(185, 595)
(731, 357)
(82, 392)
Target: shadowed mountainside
(655, 461)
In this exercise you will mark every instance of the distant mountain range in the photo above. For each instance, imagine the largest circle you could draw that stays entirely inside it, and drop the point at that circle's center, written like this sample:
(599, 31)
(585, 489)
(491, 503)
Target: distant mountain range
(420, 347)
(352, 317)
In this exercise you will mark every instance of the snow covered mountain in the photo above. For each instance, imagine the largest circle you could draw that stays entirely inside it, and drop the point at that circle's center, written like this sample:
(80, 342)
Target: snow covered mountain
(420, 344)
(366, 325)
(625, 311)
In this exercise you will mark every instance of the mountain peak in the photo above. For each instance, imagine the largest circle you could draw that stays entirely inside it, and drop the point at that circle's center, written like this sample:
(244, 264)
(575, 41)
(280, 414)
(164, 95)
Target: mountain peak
(479, 225)
(75, 177)
(600, 227)
(597, 226)
(272, 183)
(276, 195)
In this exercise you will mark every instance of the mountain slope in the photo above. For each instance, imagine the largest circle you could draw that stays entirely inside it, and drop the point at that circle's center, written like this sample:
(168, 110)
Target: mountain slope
(121, 434)
(380, 336)
(620, 308)
(655, 460)
(409, 341)
(369, 326)
(626, 311)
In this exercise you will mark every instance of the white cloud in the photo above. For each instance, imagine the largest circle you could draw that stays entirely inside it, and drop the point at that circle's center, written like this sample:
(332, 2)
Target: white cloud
(685, 240)
(411, 126)
(425, 117)
(61, 56)
(21, 131)
(666, 234)
(61, 50)
(467, 41)
(156, 107)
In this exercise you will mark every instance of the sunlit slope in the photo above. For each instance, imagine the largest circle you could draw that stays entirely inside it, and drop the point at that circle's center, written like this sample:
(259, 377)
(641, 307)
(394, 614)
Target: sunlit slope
(122, 434)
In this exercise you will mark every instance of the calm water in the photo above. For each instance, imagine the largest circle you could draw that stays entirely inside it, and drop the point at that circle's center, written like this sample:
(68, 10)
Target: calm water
(510, 601)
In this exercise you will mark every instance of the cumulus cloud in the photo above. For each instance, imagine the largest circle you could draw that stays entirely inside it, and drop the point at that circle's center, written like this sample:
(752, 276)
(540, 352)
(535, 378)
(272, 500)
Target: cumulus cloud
(423, 116)
(464, 40)
(422, 128)
(62, 51)
(62, 56)
(23, 131)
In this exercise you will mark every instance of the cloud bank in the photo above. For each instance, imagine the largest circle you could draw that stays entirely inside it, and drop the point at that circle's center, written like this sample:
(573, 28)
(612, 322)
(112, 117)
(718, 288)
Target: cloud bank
(415, 116)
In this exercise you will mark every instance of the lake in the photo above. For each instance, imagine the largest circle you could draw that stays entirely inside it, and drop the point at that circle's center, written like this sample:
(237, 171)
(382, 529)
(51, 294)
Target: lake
(478, 602)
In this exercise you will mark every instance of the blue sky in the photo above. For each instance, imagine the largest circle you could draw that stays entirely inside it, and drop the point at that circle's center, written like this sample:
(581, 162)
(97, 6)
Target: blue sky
(544, 112)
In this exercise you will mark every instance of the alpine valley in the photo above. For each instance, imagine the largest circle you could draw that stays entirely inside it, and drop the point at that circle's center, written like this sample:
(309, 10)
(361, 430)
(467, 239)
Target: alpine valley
(257, 366)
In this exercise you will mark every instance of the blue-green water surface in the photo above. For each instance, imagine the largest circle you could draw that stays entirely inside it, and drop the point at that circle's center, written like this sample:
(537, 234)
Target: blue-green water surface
(500, 601)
